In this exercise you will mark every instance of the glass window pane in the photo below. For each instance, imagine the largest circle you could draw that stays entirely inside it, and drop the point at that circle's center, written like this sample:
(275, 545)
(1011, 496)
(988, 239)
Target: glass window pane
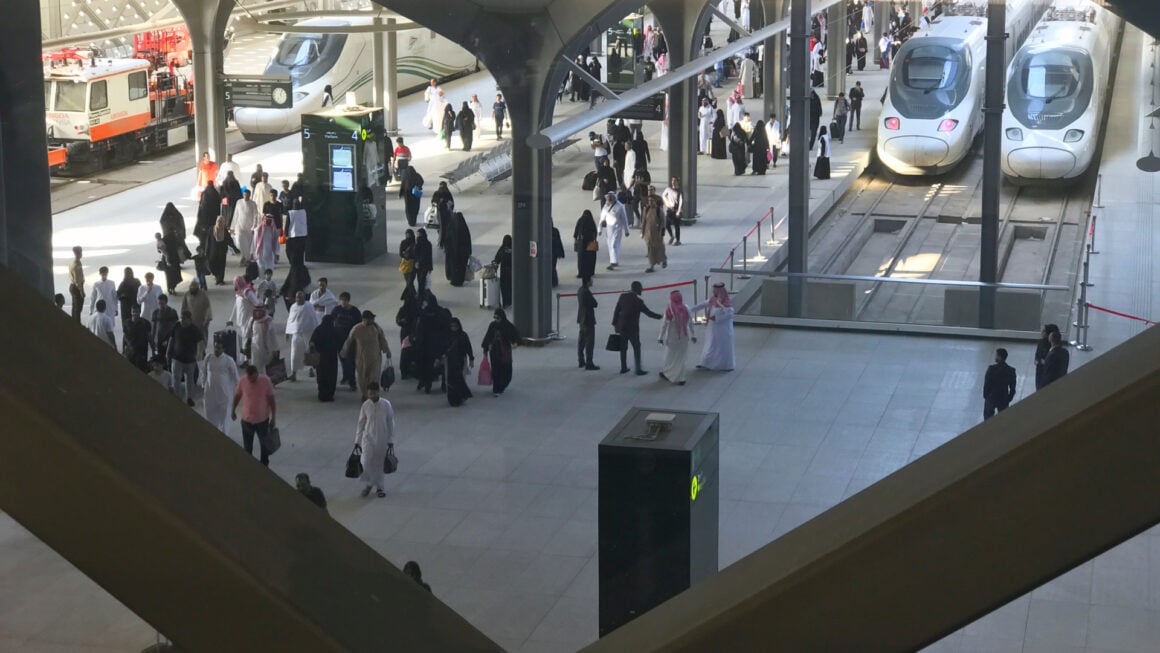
(70, 96)
(99, 96)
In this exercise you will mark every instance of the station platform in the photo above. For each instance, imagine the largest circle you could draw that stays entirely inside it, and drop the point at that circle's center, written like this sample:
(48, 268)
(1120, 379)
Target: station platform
(497, 499)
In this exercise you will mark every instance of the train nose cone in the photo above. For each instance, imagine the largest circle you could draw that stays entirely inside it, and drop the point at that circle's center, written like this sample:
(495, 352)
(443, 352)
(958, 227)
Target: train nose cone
(1041, 162)
(917, 151)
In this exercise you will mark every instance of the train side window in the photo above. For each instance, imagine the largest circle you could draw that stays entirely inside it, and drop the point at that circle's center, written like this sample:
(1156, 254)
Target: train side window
(138, 85)
(98, 95)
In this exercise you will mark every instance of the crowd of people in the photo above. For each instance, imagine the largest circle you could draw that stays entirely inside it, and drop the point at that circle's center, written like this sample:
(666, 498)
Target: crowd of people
(442, 118)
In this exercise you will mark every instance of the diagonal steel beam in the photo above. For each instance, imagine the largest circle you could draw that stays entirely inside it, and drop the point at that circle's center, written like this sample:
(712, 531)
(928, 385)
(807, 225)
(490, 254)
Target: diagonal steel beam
(1053, 481)
(587, 77)
(562, 130)
(187, 530)
(83, 5)
(728, 20)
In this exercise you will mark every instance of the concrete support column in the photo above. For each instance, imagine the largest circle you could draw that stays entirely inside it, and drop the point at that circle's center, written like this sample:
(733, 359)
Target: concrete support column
(532, 227)
(799, 153)
(25, 208)
(992, 174)
(772, 79)
(683, 22)
(882, 15)
(391, 101)
(836, 29)
(206, 20)
(378, 66)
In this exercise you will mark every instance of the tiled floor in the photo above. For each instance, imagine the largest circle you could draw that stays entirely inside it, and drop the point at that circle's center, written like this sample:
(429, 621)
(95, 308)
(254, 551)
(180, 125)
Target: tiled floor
(497, 500)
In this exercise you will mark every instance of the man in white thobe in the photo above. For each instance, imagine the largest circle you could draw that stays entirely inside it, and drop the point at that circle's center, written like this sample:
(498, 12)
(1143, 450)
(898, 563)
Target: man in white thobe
(101, 323)
(704, 125)
(300, 325)
(245, 221)
(226, 167)
(263, 193)
(375, 437)
(147, 296)
(322, 297)
(748, 76)
(614, 226)
(106, 290)
(221, 379)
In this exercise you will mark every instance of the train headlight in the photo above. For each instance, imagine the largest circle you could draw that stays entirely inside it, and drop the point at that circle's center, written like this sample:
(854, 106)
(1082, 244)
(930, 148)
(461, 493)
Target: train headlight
(893, 124)
(1073, 136)
(1014, 134)
(948, 125)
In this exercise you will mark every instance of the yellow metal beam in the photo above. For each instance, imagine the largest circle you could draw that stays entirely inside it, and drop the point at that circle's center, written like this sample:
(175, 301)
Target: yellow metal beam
(175, 520)
(1048, 484)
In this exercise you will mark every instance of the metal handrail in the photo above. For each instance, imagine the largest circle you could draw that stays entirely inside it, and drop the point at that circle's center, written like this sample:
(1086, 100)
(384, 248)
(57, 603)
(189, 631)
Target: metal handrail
(928, 282)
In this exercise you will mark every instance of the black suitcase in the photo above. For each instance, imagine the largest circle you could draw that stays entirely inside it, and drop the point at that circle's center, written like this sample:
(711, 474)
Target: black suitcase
(589, 181)
(229, 340)
(837, 129)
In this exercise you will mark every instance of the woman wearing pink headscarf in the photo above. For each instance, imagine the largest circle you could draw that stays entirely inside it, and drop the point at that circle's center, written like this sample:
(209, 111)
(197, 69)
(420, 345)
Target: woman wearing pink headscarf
(676, 332)
(718, 352)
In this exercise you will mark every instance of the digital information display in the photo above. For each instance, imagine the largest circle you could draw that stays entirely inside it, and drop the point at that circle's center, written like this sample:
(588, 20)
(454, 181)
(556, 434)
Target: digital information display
(342, 167)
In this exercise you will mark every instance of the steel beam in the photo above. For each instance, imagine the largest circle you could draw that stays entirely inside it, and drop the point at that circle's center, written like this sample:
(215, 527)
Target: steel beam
(728, 20)
(594, 83)
(186, 530)
(25, 209)
(992, 150)
(799, 154)
(1053, 481)
(564, 129)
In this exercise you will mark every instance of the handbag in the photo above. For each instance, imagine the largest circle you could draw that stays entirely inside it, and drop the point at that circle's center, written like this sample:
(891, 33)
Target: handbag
(485, 372)
(276, 370)
(312, 359)
(271, 441)
(387, 378)
(406, 266)
(354, 468)
(593, 246)
(614, 342)
(417, 191)
(390, 463)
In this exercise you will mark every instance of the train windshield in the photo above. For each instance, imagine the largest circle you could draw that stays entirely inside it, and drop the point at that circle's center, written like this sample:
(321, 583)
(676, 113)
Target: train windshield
(306, 57)
(932, 76)
(70, 96)
(1049, 87)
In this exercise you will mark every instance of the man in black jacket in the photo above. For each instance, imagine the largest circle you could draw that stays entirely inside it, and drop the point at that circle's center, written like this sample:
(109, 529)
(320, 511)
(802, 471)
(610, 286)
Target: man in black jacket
(183, 354)
(626, 321)
(1057, 359)
(586, 318)
(998, 385)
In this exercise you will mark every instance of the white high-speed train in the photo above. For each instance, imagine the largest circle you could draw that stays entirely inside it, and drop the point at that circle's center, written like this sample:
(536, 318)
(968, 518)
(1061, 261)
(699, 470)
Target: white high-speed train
(344, 62)
(934, 106)
(1056, 92)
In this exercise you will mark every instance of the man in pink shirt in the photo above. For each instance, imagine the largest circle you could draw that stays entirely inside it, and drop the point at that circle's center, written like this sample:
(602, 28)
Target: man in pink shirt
(256, 394)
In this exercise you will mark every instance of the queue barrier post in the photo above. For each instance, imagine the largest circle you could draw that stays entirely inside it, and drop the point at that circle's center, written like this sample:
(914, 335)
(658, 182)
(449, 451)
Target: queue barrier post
(759, 236)
(1086, 283)
(732, 266)
(1092, 236)
(1099, 195)
(558, 334)
(772, 229)
(1081, 323)
(745, 257)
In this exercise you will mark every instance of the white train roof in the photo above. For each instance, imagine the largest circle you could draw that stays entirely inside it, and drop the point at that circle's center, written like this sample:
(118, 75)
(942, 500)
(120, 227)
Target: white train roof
(79, 70)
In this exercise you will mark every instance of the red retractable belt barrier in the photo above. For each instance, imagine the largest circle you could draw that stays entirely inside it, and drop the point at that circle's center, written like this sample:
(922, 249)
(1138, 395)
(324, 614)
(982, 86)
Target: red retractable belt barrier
(1119, 314)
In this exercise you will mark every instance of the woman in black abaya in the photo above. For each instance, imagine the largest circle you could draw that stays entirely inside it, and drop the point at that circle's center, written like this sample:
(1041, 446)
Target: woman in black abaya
(737, 142)
(503, 260)
(584, 243)
(456, 249)
(759, 148)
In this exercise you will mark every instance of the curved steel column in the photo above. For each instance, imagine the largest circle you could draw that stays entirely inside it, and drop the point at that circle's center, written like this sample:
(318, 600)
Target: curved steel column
(207, 20)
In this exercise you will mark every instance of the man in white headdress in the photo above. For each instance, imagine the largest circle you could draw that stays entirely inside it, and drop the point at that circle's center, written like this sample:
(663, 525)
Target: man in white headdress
(704, 125)
(300, 325)
(221, 379)
(614, 226)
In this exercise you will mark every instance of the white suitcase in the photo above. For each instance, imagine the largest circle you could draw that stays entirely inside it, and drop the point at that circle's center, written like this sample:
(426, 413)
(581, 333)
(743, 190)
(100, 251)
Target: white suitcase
(488, 293)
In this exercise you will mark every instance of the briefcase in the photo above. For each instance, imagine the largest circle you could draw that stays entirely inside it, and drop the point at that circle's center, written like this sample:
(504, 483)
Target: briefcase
(614, 342)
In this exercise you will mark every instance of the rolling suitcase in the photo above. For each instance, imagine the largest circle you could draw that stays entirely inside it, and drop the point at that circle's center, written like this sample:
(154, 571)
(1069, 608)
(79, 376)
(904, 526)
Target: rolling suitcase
(229, 340)
(589, 182)
(838, 129)
(488, 292)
